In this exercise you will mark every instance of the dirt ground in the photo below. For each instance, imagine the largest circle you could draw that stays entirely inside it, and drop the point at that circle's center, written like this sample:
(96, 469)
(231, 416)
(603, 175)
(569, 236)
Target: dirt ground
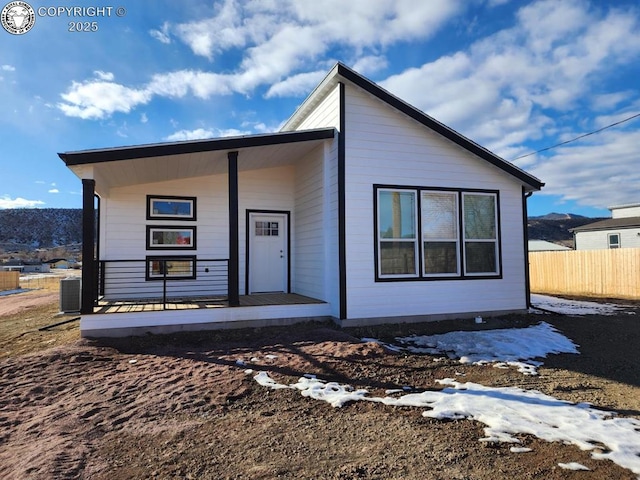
(182, 406)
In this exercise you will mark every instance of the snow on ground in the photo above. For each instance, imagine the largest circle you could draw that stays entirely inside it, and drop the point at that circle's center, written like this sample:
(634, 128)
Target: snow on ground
(573, 307)
(510, 346)
(506, 411)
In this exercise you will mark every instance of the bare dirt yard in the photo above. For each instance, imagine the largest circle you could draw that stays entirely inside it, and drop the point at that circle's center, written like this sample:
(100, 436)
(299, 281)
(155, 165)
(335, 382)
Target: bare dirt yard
(183, 407)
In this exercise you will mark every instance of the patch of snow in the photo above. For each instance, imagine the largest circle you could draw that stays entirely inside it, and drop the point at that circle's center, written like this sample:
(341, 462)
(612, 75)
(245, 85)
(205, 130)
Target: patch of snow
(572, 466)
(520, 449)
(573, 307)
(506, 411)
(510, 346)
(270, 357)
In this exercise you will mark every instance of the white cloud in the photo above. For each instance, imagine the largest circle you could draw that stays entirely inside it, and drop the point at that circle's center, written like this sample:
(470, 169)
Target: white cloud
(197, 134)
(162, 35)
(204, 133)
(8, 68)
(18, 202)
(144, 118)
(99, 99)
(296, 85)
(54, 190)
(106, 76)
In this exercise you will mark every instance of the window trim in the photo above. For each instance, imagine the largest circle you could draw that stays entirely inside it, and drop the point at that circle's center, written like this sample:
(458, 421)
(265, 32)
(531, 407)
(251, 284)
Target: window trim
(191, 216)
(178, 258)
(416, 251)
(464, 240)
(171, 246)
(421, 276)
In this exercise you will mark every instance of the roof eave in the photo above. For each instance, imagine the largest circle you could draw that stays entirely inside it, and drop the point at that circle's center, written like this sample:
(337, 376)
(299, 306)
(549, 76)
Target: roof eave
(85, 157)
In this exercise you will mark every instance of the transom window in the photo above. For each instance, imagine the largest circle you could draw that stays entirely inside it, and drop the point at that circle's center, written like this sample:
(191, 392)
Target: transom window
(267, 229)
(428, 233)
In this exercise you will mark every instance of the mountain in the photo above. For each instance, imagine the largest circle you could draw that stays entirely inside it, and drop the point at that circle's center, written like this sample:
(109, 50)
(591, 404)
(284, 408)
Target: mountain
(31, 228)
(554, 227)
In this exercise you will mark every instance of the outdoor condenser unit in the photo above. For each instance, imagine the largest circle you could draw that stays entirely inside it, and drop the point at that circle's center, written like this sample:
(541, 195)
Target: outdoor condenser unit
(70, 294)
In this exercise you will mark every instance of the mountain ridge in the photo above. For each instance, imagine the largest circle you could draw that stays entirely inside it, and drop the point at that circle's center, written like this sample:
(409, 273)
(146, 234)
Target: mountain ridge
(28, 229)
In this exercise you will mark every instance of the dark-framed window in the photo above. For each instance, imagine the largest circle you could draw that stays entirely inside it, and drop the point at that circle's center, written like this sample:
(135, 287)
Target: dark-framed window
(174, 267)
(161, 237)
(424, 233)
(613, 240)
(165, 207)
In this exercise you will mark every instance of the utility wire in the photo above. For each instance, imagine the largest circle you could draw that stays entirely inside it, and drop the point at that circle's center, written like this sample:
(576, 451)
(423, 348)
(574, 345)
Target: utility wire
(578, 137)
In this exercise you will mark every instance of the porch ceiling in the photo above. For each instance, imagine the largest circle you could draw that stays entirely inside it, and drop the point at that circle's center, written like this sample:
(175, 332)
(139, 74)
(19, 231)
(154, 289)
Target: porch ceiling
(156, 163)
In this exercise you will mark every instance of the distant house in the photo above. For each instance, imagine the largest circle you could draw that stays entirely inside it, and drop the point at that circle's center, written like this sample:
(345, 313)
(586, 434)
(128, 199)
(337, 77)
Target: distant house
(362, 209)
(25, 266)
(622, 230)
(544, 246)
(59, 263)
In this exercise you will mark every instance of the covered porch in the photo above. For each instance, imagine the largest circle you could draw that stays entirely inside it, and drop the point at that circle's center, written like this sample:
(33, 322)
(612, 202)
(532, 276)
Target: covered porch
(242, 186)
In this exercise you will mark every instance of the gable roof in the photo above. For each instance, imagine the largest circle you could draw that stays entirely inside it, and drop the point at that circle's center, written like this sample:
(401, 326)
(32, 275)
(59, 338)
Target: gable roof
(342, 72)
(609, 224)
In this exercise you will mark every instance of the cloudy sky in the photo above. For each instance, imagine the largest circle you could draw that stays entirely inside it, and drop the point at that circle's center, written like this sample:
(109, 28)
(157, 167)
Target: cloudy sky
(514, 76)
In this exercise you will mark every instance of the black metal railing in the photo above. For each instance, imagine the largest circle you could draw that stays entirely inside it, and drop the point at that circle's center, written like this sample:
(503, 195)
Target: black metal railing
(162, 279)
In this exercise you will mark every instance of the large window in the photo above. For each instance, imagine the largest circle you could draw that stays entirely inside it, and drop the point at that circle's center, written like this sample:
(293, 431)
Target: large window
(432, 233)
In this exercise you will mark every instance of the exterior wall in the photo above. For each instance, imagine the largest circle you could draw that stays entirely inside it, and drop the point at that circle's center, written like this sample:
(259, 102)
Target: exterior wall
(324, 177)
(315, 231)
(385, 147)
(325, 114)
(599, 240)
(123, 218)
(625, 211)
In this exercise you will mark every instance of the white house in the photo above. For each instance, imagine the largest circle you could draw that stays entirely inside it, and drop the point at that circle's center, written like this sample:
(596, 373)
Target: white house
(361, 209)
(622, 230)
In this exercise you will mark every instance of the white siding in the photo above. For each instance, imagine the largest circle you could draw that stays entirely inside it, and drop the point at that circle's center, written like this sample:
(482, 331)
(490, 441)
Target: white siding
(315, 231)
(626, 211)
(629, 238)
(325, 114)
(123, 216)
(385, 147)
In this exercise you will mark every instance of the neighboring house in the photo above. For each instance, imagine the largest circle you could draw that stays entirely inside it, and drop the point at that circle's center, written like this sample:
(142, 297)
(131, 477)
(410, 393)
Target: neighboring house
(25, 266)
(361, 209)
(544, 246)
(59, 263)
(622, 230)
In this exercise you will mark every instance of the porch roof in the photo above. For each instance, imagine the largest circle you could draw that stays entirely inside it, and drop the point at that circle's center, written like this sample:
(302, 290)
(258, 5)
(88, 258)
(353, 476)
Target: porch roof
(122, 166)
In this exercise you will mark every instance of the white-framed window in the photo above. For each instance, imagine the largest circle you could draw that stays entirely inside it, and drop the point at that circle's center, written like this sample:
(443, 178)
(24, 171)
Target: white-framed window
(614, 240)
(428, 233)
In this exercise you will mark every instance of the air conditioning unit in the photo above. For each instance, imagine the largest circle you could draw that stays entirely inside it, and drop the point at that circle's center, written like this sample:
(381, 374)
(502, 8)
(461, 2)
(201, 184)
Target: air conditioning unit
(70, 290)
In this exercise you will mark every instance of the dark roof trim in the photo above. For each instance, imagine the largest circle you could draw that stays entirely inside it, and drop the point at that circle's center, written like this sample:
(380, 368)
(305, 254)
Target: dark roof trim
(436, 126)
(196, 146)
(609, 224)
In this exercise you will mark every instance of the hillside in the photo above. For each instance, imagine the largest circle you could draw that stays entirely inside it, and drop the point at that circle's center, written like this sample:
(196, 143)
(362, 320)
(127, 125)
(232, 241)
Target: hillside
(554, 227)
(27, 229)
(31, 228)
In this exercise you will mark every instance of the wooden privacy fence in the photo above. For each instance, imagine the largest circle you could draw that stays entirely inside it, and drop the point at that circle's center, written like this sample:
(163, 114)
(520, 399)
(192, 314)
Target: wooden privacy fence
(600, 273)
(9, 280)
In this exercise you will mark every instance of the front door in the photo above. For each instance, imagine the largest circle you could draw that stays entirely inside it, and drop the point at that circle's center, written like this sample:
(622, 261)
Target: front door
(268, 255)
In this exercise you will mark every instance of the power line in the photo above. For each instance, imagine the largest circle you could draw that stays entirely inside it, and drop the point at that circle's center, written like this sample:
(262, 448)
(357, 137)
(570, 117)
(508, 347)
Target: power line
(578, 137)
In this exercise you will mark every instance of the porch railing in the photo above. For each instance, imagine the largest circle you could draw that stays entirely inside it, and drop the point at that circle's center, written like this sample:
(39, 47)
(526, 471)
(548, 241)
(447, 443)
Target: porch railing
(166, 280)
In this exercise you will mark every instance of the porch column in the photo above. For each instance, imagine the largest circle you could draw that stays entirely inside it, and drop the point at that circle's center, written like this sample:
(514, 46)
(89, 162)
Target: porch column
(234, 253)
(89, 279)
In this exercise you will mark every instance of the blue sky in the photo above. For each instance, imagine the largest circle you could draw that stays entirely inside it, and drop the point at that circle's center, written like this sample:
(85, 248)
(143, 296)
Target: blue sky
(514, 76)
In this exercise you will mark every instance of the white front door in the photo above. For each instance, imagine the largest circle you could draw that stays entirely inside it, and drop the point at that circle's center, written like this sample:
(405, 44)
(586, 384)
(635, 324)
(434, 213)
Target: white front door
(268, 256)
